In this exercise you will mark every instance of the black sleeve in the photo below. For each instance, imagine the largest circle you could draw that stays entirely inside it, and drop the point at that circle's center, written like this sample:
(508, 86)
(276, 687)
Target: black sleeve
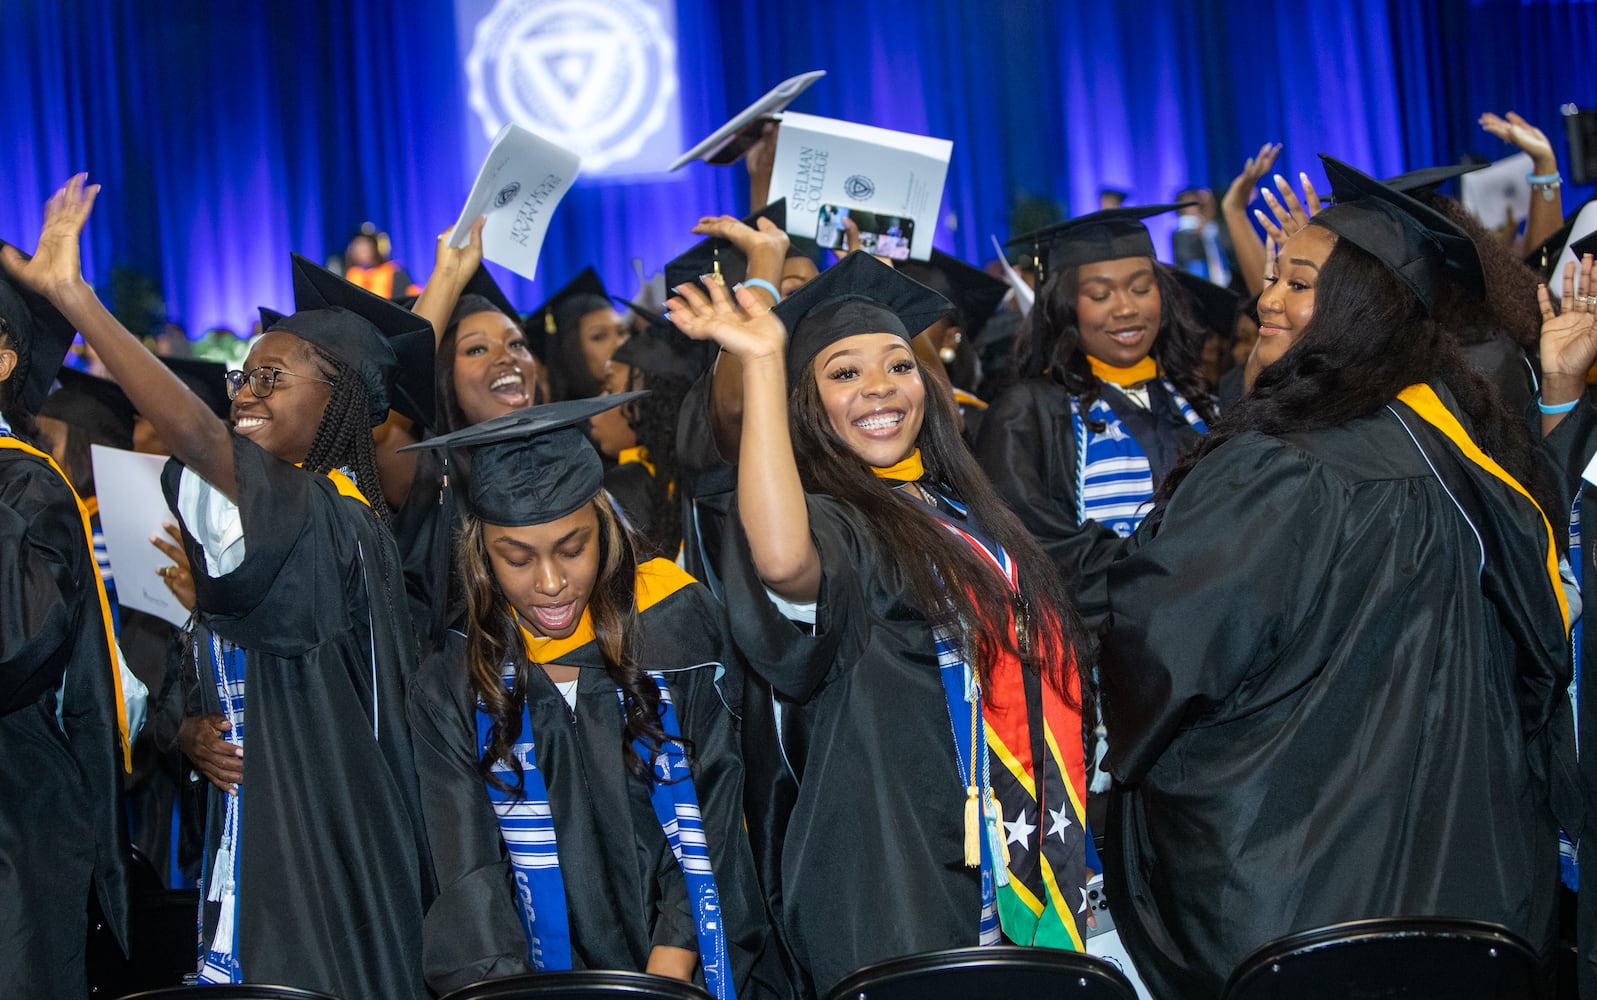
(472, 931)
(1170, 654)
(1028, 451)
(794, 658)
(674, 924)
(1571, 446)
(289, 595)
(41, 573)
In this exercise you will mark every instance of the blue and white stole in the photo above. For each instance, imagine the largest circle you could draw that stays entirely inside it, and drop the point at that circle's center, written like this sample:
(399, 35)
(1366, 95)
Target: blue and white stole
(219, 961)
(1568, 869)
(1113, 480)
(526, 823)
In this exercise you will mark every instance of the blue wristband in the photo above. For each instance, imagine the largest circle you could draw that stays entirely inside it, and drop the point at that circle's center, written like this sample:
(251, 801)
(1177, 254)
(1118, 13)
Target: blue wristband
(762, 283)
(1560, 408)
(1552, 178)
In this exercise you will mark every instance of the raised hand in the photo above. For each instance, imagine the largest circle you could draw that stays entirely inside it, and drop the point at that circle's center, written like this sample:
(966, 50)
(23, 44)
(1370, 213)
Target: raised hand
(768, 242)
(56, 267)
(1240, 194)
(458, 265)
(746, 328)
(1289, 214)
(1569, 335)
(1517, 131)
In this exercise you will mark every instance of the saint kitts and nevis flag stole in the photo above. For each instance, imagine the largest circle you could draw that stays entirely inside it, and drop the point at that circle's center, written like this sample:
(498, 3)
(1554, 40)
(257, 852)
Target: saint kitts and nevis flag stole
(1031, 791)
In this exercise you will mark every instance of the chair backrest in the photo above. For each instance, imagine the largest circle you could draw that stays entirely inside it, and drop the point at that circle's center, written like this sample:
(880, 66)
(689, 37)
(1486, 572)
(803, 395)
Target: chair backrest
(242, 991)
(587, 984)
(1002, 973)
(1404, 958)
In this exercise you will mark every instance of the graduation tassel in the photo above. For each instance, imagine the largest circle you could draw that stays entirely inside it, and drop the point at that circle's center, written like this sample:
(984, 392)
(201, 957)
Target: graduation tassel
(972, 828)
(972, 791)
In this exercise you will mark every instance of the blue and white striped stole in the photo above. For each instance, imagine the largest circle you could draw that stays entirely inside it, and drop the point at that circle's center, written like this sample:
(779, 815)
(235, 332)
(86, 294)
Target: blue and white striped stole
(1113, 480)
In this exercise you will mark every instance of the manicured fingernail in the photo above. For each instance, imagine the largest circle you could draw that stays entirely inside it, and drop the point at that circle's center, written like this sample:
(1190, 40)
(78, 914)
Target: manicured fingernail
(1303, 179)
(706, 278)
(1279, 179)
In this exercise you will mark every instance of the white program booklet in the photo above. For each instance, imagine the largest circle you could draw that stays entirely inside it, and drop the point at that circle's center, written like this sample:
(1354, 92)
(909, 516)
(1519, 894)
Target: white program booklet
(719, 147)
(1493, 193)
(132, 511)
(890, 183)
(521, 182)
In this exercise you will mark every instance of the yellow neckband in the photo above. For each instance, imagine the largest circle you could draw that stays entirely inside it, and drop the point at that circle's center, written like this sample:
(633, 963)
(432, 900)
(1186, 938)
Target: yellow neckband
(1143, 371)
(908, 469)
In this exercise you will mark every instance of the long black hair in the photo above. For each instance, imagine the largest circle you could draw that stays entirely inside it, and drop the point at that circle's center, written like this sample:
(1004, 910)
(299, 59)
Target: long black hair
(344, 435)
(950, 584)
(1178, 348)
(1368, 340)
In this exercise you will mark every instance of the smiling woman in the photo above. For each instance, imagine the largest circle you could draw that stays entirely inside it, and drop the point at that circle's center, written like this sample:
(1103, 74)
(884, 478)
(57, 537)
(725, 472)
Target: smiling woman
(870, 545)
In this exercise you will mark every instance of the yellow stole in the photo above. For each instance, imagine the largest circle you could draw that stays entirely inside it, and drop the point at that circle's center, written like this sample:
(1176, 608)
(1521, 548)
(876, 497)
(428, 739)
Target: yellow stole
(656, 580)
(908, 469)
(1422, 399)
(345, 485)
(99, 589)
(1145, 370)
(638, 455)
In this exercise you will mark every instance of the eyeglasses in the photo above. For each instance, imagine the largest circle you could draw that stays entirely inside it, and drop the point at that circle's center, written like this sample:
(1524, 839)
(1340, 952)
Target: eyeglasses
(261, 381)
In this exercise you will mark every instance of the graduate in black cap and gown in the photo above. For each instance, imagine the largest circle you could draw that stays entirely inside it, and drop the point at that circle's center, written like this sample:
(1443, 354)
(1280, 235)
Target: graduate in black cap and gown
(316, 869)
(581, 329)
(576, 738)
(63, 729)
(940, 784)
(1569, 427)
(1364, 732)
(1113, 393)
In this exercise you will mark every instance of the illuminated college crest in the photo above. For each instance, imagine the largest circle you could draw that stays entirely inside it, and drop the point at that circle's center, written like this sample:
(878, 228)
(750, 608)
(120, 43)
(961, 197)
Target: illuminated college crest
(595, 76)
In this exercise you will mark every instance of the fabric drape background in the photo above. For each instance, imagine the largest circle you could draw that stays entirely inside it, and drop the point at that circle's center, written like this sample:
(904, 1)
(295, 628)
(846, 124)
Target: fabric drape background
(227, 134)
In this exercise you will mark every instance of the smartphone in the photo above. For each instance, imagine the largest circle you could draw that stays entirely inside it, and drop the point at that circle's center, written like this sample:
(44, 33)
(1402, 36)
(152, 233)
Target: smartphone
(1098, 903)
(882, 235)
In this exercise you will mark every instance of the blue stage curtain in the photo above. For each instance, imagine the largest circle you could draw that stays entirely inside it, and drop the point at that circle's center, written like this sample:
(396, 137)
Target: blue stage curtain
(228, 134)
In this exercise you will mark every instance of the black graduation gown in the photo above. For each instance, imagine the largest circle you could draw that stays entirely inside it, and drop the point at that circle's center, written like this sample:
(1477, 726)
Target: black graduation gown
(62, 833)
(1363, 732)
(625, 893)
(773, 739)
(423, 530)
(333, 867)
(629, 485)
(1572, 445)
(872, 866)
(1027, 447)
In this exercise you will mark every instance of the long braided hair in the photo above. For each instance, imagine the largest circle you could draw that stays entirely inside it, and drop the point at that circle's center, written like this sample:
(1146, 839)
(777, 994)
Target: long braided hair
(494, 637)
(344, 435)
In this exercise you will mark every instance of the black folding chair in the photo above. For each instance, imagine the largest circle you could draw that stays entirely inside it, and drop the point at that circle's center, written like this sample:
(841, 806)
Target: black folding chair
(1404, 958)
(242, 991)
(584, 985)
(1001, 973)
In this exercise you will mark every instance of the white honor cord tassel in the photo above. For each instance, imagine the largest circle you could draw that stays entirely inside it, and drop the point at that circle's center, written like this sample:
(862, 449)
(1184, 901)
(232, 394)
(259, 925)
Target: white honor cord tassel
(972, 828)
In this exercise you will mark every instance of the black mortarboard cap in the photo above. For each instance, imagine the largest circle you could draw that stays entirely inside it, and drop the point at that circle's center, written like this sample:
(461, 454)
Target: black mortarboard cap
(1214, 306)
(92, 403)
(664, 351)
(1544, 258)
(559, 316)
(43, 337)
(533, 465)
(482, 294)
(352, 324)
(859, 294)
(269, 317)
(1428, 179)
(711, 252)
(206, 379)
(1087, 239)
(1418, 244)
(974, 292)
